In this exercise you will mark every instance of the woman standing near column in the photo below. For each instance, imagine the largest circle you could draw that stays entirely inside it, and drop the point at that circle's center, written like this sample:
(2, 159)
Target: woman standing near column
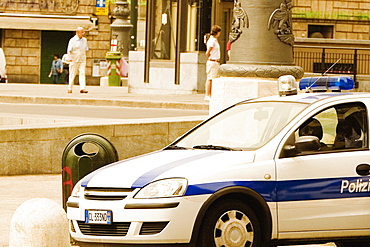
(213, 62)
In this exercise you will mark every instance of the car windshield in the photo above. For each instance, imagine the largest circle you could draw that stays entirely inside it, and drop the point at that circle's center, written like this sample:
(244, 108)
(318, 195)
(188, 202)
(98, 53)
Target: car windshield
(246, 126)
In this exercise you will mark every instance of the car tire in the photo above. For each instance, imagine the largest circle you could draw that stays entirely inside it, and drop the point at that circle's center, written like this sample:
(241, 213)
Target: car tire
(352, 244)
(230, 223)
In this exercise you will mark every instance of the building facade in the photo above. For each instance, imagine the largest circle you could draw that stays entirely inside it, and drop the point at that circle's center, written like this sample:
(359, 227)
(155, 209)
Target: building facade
(340, 31)
(332, 19)
(177, 40)
(168, 35)
(32, 31)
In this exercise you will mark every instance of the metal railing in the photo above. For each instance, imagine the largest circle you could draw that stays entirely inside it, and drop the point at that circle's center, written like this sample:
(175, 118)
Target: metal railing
(351, 61)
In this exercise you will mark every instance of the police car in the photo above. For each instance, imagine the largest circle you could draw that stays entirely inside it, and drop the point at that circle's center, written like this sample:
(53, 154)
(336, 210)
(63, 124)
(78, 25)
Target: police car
(264, 172)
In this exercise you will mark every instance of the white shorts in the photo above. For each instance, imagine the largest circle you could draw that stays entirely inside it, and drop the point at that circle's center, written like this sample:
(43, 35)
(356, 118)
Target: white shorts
(212, 69)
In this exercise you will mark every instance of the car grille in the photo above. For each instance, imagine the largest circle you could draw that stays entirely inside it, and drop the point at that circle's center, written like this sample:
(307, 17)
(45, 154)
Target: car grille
(149, 228)
(106, 193)
(117, 229)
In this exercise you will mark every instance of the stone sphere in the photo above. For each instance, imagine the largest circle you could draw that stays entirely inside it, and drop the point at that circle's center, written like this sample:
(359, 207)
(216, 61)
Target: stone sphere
(39, 222)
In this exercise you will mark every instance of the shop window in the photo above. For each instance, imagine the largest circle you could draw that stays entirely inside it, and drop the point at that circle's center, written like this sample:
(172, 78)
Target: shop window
(320, 31)
(163, 41)
(164, 28)
(142, 9)
(174, 27)
(192, 16)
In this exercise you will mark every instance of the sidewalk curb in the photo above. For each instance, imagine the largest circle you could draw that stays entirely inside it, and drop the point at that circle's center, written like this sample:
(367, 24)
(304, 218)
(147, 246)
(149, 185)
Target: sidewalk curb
(102, 102)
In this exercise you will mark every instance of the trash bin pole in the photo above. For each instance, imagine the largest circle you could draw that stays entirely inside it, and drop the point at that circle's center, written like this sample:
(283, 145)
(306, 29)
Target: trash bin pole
(113, 73)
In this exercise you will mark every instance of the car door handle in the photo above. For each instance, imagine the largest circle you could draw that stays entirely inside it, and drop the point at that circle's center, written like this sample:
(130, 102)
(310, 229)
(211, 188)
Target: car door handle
(363, 169)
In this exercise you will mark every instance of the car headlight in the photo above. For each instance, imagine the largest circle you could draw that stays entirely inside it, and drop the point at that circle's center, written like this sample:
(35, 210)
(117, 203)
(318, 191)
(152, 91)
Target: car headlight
(163, 188)
(77, 189)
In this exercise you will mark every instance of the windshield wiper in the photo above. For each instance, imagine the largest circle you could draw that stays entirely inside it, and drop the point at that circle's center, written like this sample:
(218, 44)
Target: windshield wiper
(213, 147)
(175, 147)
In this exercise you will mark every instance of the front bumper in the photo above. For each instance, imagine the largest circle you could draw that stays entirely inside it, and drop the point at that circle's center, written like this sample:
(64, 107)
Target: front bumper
(137, 221)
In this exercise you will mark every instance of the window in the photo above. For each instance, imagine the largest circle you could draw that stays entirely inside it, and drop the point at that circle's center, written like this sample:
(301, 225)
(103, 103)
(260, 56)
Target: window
(339, 127)
(320, 31)
(244, 126)
(173, 27)
(164, 28)
(163, 42)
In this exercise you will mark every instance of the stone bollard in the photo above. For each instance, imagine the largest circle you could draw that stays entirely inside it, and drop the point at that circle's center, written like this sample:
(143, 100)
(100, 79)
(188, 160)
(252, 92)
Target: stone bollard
(39, 222)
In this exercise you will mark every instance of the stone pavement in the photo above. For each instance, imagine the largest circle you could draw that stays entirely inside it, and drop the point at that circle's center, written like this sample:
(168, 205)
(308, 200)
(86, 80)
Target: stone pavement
(99, 96)
(14, 190)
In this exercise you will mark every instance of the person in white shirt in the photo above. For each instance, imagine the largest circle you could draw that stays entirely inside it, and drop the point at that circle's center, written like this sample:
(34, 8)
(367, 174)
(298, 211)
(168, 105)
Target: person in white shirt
(213, 62)
(76, 50)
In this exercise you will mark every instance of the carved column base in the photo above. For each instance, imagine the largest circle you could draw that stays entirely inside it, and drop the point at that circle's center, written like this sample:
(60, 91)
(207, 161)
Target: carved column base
(227, 91)
(263, 71)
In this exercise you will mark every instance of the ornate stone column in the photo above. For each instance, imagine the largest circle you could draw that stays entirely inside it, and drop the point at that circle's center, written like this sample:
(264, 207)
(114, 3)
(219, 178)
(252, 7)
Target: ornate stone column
(121, 27)
(262, 40)
(261, 51)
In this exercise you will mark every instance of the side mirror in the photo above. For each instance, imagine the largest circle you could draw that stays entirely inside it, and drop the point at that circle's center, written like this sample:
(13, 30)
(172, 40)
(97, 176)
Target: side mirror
(303, 144)
(307, 143)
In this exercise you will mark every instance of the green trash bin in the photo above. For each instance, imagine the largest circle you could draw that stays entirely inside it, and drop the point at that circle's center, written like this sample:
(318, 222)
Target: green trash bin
(84, 154)
(114, 74)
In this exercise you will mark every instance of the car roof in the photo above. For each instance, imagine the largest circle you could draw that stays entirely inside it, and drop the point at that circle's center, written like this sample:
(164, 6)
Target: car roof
(309, 98)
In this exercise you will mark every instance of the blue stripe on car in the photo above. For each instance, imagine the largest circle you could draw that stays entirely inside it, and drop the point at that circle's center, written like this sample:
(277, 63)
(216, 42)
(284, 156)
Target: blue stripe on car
(89, 176)
(152, 174)
(265, 188)
(294, 190)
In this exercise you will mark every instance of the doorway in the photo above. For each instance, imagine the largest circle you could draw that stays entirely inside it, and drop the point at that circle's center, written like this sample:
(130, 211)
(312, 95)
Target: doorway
(52, 42)
(226, 16)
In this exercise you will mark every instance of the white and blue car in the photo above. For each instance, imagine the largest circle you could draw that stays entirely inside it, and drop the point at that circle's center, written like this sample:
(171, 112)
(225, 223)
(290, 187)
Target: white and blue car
(264, 172)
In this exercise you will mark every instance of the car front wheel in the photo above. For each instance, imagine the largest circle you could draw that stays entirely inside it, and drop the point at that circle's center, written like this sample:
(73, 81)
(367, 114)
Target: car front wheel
(230, 224)
(352, 244)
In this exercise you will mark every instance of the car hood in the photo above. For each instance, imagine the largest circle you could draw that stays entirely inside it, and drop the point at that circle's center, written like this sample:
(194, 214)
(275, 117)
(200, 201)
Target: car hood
(139, 171)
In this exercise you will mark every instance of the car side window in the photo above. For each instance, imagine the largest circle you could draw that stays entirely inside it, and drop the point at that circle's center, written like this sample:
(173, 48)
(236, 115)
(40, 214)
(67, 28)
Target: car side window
(351, 130)
(337, 128)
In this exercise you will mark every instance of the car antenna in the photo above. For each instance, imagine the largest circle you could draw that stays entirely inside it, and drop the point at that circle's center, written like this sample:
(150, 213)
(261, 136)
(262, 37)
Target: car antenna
(322, 75)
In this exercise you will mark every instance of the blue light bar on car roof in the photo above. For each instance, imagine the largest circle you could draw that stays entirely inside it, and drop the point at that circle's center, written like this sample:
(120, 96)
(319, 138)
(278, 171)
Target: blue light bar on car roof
(324, 83)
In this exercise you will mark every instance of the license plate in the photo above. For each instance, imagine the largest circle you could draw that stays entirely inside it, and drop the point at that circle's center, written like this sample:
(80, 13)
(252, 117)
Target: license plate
(98, 216)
